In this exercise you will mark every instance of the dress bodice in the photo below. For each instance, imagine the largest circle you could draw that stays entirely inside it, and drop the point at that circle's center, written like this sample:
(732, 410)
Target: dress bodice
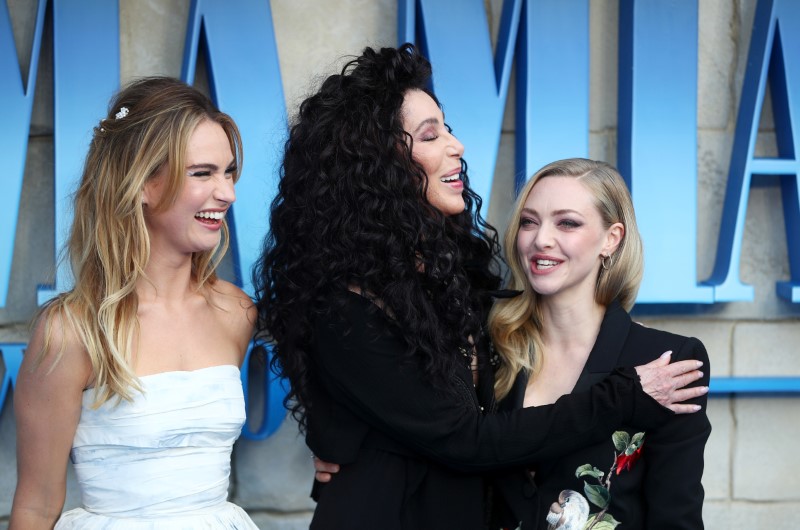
(161, 460)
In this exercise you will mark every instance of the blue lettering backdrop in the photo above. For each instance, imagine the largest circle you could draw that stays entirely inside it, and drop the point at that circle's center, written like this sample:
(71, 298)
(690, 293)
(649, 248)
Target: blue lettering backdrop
(547, 41)
(774, 55)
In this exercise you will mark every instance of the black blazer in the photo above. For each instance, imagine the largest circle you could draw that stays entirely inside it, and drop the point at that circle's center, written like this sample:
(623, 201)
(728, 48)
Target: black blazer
(410, 452)
(662, 490)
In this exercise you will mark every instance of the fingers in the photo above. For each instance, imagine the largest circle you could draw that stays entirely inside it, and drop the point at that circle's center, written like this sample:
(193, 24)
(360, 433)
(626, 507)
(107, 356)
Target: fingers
(686, 379)
(662, 360)
(679, 408)
(323, 470)
(682, 367)
(322, 467)
(676, 399)
(685, 394)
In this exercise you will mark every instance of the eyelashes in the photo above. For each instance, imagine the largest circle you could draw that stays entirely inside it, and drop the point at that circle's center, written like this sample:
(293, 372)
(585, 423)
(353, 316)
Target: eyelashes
(230, 172)
(563, 223)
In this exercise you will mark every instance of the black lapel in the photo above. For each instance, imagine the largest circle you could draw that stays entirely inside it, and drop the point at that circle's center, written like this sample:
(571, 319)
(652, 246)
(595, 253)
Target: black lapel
(607, 349)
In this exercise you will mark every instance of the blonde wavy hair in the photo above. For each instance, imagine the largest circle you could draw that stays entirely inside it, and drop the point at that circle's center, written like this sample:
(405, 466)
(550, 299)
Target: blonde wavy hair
(515, 323)
(109, 245)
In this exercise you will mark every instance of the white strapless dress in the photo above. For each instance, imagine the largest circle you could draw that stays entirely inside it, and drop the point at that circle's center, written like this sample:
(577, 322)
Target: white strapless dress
(162, 461)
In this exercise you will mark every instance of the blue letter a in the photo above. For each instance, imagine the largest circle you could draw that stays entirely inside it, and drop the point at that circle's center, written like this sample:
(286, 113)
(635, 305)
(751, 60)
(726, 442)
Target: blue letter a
(774, 54)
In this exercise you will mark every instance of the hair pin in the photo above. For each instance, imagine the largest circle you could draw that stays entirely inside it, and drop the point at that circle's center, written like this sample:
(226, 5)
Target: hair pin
(123, 111)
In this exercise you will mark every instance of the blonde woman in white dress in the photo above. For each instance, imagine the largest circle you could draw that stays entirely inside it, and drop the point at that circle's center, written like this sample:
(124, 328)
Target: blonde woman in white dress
(133, 374)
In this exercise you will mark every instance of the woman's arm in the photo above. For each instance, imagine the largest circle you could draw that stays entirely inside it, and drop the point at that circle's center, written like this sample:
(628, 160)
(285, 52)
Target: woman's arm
(47, 407)
(673, 455)
(362, 365)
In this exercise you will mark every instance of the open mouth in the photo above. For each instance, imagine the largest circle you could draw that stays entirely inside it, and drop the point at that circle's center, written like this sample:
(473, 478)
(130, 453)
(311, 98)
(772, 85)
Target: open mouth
(451, 178)
(210, 218)
(545, 264)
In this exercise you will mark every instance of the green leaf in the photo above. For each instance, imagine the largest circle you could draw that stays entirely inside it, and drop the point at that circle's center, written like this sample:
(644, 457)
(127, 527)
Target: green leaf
(607, 517)
(638, 439)
(597, 495)
(603, 525)
(621, 440)
(588, 470)
(606, 522)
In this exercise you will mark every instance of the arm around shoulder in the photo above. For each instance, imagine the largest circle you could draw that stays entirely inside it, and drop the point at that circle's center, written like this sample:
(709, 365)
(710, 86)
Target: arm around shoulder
(47, 408)
(365, 369)
(674, 453)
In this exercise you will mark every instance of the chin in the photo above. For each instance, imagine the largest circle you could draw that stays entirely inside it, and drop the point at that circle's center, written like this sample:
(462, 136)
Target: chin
(542, 288)
(453, 209)
(206, 246)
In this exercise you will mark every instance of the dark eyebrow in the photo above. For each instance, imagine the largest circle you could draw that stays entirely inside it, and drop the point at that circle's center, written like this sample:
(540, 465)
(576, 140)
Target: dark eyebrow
(428, 121)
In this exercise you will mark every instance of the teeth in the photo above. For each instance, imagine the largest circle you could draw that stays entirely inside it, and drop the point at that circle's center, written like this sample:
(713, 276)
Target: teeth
(454, 178)
(545, 263)
(210, 215)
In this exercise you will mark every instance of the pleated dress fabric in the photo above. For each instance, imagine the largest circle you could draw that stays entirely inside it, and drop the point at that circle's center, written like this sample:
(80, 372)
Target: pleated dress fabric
(163, 460)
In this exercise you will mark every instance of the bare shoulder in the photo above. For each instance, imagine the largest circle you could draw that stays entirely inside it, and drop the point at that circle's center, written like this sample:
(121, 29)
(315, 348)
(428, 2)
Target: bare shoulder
(55, 371)
(230, 297)
(55, 348)
(237, 309)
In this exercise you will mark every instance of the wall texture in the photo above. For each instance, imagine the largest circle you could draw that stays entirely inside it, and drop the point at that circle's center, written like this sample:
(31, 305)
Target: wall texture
(751, 478)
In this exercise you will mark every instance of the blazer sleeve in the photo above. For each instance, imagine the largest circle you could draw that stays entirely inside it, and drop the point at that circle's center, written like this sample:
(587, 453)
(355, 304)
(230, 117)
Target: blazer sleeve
(673, 454)
(361, 362)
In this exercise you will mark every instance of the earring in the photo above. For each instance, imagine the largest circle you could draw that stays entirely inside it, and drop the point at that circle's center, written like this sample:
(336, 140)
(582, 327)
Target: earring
(607, 261)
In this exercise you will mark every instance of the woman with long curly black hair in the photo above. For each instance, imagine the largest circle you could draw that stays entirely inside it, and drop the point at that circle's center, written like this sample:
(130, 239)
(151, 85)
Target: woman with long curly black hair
(373, 288)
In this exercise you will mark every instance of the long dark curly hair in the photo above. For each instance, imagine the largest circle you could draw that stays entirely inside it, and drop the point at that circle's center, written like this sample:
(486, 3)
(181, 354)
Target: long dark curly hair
(351, 212)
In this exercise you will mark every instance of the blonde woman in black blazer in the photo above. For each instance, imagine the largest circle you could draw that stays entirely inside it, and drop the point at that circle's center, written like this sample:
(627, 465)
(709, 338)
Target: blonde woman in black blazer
(575, 253)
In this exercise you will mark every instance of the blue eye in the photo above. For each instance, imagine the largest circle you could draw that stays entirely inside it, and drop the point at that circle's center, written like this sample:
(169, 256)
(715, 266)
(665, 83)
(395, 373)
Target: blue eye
(569, 223)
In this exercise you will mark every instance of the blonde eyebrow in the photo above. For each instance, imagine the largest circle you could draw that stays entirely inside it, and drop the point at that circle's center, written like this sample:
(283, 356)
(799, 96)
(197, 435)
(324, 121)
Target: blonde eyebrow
(203, 165)
(557, 212)
(210, 166)
(567, 210)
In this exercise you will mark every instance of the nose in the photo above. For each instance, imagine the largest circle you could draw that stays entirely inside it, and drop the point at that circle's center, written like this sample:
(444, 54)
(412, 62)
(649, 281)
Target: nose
(224, 191)
(544, 236)
(455, 147)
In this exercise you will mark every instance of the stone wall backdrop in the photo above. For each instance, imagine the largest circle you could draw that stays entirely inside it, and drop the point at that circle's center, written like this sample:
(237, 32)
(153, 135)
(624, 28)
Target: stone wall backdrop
(751, 475)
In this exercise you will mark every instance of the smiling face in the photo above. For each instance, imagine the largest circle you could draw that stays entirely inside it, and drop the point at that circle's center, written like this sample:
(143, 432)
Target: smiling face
(562, 237)
(436, 150)
(193, 222)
